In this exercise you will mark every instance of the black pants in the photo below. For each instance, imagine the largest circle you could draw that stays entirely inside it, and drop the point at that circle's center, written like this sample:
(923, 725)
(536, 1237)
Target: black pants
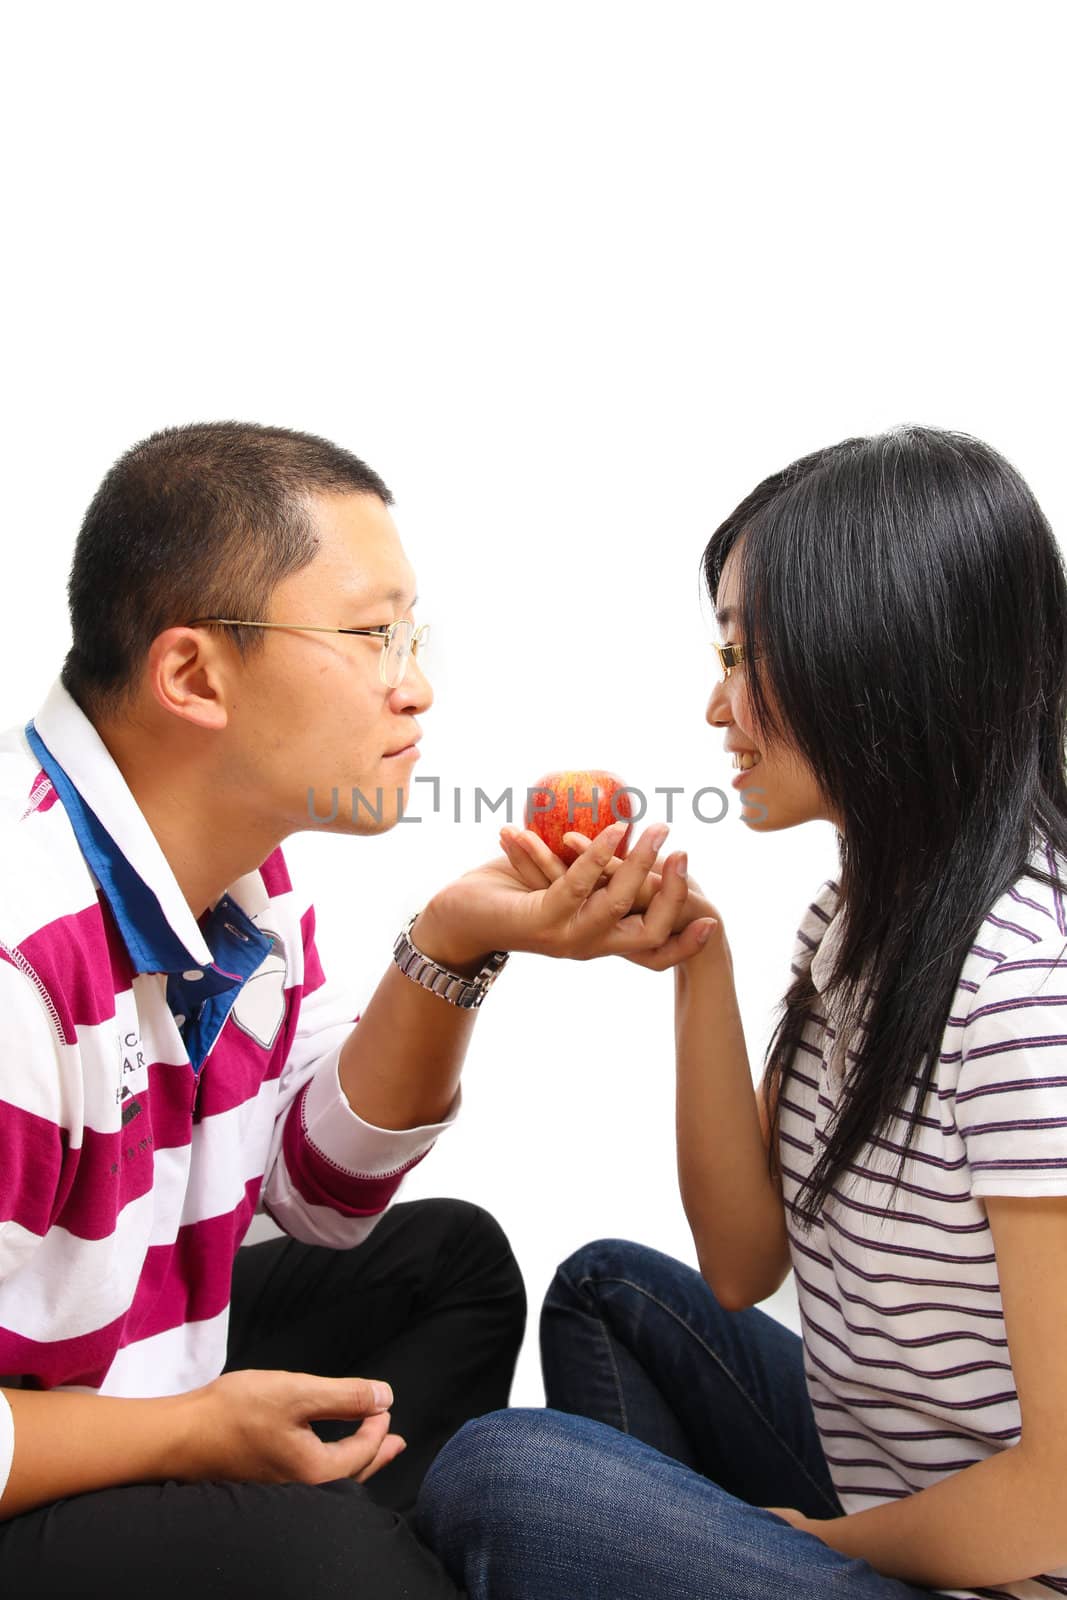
(432, 1302)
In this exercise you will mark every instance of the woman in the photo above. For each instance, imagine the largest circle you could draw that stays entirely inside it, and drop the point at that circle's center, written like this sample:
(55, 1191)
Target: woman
(895, 660)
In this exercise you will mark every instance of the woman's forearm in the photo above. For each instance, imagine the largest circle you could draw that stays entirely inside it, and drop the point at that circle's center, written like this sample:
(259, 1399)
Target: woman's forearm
(733, 1205)
(1000, 1521)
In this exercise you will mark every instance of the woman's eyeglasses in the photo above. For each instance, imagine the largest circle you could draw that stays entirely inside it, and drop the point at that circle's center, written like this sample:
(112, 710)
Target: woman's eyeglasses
(731, 656)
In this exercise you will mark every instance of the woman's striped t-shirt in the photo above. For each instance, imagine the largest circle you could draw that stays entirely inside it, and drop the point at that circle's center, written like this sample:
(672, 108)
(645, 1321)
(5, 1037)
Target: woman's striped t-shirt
(905, 1348)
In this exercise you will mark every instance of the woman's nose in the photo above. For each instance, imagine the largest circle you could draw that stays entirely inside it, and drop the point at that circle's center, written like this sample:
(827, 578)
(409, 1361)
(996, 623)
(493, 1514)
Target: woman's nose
(718, 713)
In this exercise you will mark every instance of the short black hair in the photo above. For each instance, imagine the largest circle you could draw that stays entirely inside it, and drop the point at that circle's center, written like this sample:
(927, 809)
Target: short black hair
(196, 521)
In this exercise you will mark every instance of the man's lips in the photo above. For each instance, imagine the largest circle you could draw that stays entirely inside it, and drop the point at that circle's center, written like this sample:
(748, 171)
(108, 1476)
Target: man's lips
(411, 749)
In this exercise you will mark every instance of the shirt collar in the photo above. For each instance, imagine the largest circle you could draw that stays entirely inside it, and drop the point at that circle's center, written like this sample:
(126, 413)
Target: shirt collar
(156, 922)
(822, 962)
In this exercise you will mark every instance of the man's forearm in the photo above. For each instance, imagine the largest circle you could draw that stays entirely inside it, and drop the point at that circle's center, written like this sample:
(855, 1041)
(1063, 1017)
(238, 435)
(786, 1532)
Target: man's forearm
(70, 1443)
(997, 1522)
(401, 1064)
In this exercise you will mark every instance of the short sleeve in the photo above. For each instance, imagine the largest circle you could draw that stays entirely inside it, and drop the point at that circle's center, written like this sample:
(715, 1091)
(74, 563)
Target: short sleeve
(1011, 1094)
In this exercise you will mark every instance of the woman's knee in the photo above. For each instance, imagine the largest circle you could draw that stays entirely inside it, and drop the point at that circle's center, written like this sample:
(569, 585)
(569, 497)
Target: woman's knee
(601, 1258)
(502, 1471)
(619, 1263)
(520, 1486)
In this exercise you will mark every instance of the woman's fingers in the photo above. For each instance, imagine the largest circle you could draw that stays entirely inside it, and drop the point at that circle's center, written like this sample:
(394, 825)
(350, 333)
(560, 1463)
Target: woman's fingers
(662, 912)
(625, 883)
(579, 843)
(680, 947)
(582, 876)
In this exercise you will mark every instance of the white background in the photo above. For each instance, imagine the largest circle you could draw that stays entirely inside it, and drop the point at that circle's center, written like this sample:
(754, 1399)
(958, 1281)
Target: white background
(572, 277)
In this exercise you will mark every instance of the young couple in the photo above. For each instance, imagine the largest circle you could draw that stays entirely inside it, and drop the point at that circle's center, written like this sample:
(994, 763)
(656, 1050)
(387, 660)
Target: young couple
(326, 1413)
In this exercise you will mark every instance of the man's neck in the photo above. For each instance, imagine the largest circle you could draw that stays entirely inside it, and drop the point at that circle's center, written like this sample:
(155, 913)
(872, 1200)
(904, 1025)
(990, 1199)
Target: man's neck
(208, 843)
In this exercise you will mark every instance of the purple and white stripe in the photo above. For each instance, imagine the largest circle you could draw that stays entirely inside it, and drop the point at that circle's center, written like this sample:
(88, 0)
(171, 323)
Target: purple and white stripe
(906, 1351)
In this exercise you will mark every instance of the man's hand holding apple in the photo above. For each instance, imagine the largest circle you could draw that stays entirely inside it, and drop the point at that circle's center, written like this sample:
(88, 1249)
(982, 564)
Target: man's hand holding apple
(599, 905)
(538, 866)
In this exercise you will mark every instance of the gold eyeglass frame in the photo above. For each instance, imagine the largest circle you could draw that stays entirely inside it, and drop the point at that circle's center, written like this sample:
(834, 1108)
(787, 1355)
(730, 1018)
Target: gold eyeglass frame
(731, 656)
(419, 635)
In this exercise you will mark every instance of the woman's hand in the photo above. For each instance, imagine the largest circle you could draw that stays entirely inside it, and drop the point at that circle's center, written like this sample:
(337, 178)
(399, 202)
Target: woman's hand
(795, 1518)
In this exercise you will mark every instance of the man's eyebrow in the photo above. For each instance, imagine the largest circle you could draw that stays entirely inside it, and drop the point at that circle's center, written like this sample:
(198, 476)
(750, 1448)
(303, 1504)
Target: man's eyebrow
(395, 596)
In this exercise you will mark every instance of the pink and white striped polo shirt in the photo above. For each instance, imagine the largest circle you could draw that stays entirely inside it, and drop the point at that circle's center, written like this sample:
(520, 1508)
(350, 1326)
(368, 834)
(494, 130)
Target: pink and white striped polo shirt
(138, 1140)
(905, 1348)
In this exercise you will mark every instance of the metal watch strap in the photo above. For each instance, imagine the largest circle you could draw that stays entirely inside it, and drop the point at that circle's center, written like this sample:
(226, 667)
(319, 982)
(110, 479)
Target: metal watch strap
(458, 991)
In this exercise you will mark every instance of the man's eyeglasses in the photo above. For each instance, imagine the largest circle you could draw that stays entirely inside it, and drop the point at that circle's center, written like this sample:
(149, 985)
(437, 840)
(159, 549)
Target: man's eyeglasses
(400, 640)
(731, 656)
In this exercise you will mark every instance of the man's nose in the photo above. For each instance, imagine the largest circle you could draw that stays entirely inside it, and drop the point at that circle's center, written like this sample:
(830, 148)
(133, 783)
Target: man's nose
(413, 693)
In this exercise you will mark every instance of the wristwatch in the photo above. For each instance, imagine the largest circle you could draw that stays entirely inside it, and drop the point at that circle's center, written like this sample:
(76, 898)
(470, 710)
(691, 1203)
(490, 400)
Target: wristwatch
(458, 991)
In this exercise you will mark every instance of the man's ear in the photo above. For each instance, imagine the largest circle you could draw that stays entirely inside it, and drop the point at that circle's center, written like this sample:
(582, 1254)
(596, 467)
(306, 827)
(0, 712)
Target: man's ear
(187, 672)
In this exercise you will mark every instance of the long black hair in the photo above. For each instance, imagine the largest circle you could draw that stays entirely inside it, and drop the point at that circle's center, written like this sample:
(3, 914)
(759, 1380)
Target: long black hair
(907, 603)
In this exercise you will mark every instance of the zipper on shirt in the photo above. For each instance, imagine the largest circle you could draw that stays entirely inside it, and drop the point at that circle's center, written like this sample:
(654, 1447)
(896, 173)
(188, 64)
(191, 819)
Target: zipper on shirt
(17, 959)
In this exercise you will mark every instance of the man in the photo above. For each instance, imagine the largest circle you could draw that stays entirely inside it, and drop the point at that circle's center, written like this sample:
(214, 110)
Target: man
(176, 1414)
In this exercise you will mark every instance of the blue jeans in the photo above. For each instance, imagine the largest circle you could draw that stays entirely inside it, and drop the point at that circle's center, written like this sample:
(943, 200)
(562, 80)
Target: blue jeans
(671, 1423)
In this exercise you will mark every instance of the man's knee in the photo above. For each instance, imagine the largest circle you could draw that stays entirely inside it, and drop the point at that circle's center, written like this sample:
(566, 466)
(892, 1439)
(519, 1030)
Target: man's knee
(476, 1226)
(481, 1249)
(346, 1535)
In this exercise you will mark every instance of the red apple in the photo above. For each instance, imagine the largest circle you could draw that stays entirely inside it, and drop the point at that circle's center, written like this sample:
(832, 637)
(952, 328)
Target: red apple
(564, 802)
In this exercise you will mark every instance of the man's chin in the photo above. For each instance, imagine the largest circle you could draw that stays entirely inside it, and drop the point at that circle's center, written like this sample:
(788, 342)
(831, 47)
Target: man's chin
(359, 810)
(370, 827)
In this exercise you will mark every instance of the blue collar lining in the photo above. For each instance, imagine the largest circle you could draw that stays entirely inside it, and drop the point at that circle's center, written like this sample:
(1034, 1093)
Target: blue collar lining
(200, 996)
